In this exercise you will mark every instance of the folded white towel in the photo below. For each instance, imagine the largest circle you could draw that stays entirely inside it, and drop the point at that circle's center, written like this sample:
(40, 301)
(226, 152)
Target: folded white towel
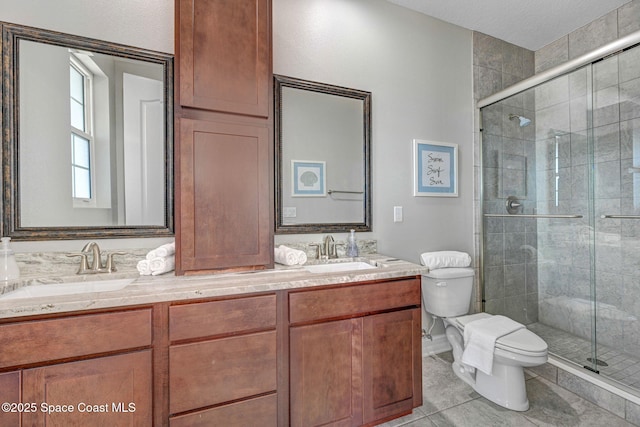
(288, 256)
(444, 259)
(285, 257)
(162, 265)
(162, 251)
(302, 257)
(143, 267)
(480, 339)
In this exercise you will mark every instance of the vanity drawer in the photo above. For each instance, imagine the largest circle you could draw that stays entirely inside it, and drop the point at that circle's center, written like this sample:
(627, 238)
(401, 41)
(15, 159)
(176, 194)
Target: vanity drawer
(329, 303)
(260, 411)
(42, 340)
(212, 372)
(207, 319)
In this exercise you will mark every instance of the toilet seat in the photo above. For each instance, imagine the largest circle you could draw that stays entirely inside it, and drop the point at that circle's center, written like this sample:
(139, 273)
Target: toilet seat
(522, 341)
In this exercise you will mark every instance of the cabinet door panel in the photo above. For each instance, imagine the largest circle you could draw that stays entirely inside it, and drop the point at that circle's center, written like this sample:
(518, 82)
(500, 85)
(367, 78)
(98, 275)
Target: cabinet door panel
(392, 364)
(100, 391)
(326, 374)
(212, 372)
(317, 304)
(258, 412)
(37, 341)
(188, 321)
(225, 55)
(10, 392)
(225, 209)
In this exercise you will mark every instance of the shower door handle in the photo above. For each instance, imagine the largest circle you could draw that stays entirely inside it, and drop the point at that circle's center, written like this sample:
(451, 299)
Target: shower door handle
(620, 216)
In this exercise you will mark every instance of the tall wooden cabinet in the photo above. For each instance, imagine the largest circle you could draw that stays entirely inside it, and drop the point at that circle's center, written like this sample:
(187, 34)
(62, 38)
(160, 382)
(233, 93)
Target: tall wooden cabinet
(224, 154)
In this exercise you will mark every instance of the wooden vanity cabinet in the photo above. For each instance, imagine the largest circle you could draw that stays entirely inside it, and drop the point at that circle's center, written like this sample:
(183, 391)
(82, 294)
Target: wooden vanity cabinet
(223, 362)
(9, 393)
(98, 365)
(224, 154)
(355, 353)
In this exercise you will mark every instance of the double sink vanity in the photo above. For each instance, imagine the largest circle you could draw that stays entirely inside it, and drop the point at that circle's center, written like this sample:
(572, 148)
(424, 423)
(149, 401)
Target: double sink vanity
(334, 342)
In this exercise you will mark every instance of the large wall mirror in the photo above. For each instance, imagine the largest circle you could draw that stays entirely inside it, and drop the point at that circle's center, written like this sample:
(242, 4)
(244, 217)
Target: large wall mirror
(323, 162)
(88, 137)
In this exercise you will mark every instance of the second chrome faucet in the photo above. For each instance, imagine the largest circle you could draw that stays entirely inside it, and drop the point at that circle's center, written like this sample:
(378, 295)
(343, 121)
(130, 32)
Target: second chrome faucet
(95, 265)
(328, 249)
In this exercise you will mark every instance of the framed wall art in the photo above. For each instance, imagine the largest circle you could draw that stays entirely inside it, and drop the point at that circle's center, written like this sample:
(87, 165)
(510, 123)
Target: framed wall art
(308, 178)
(435, 169)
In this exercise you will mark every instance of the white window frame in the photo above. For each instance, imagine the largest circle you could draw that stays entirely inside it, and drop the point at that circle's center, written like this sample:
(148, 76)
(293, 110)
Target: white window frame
(87, 133)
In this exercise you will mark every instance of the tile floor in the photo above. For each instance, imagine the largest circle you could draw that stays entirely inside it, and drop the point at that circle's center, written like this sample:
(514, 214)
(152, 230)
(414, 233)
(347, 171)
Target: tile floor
(622, 367)
(448, 401)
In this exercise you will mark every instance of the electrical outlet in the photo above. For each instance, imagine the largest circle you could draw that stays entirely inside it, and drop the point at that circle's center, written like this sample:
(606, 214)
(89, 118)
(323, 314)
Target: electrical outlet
(397, 214)
(289, 212)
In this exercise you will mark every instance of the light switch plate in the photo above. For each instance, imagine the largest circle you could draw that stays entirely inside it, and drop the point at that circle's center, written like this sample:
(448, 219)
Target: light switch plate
(397, 214)
(289, 212)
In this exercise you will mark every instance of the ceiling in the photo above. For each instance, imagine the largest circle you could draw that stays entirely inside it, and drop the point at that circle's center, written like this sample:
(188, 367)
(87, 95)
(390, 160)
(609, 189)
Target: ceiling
(531, 24)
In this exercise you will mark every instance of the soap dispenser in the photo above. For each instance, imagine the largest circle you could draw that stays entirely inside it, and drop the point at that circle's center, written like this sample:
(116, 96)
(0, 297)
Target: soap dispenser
(352, 245)
(8, 266)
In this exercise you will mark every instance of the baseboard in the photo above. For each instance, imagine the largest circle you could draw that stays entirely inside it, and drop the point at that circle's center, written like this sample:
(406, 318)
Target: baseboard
(438, 344)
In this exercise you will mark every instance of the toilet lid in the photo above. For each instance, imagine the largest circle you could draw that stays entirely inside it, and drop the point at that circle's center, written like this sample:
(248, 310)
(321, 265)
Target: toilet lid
(450, 273)
(522, 341)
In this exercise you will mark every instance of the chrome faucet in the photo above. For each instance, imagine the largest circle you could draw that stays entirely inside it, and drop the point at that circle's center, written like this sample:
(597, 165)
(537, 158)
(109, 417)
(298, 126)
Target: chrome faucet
(327, 249)
(96, 261)
(95, 266)
(329, 246)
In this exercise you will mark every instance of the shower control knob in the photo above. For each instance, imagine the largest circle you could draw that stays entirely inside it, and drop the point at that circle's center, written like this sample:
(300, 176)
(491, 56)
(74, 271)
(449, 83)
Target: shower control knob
(513, 205)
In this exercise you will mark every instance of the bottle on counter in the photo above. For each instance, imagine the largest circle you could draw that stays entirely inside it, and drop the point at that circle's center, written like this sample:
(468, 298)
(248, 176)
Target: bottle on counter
(352, 245)
(8, 266)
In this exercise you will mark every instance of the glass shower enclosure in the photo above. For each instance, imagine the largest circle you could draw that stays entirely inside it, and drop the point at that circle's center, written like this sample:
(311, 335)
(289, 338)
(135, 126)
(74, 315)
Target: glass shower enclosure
(561, 213)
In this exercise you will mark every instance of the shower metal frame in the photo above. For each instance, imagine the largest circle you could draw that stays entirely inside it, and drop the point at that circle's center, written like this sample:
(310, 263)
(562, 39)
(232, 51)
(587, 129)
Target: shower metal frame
(573, 64)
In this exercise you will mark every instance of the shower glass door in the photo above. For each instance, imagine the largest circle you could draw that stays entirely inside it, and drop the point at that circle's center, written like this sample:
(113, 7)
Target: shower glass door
(616, 167)
(538, 213)
(561, 214)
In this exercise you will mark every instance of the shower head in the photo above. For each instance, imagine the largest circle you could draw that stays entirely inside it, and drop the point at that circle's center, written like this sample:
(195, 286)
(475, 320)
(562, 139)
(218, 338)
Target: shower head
(523, 120)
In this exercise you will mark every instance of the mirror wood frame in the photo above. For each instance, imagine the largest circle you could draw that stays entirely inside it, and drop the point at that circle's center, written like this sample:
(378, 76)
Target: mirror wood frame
(281, 82)
(12, 34)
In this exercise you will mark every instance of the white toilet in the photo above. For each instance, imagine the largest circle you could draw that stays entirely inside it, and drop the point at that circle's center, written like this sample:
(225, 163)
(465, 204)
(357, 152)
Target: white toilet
(447, 294)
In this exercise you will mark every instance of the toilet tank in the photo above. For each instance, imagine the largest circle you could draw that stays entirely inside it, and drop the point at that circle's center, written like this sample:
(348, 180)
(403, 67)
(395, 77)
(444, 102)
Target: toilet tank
(447, 291)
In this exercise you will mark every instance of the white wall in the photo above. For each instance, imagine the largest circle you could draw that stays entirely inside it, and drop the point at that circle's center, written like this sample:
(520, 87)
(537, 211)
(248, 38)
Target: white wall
(419, 71)
(141, 23)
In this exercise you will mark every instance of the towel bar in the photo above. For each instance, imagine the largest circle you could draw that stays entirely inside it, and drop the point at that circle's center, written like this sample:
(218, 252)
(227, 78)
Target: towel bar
(530, 216)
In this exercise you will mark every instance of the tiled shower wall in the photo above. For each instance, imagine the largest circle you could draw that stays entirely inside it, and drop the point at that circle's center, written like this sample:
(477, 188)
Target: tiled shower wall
(512, 248)
(498, 65)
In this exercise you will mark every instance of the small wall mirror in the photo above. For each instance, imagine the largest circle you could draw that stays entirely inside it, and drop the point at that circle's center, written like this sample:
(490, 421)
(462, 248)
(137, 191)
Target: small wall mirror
(323, 161)
(88, 137)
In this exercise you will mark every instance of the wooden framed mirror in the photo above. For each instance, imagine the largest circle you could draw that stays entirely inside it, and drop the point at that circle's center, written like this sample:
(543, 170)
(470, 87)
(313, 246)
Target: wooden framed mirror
(323, 157)
(87, 137)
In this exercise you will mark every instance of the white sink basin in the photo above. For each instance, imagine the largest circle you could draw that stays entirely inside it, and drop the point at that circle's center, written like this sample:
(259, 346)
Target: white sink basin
(53, 289)
(338, 266)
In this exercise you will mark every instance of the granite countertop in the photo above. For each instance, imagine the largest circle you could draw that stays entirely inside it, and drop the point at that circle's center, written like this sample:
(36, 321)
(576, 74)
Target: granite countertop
(168, 287)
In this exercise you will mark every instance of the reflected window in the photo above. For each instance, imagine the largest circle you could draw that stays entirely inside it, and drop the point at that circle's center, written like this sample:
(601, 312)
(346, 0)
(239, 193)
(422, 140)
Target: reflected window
(80, 96)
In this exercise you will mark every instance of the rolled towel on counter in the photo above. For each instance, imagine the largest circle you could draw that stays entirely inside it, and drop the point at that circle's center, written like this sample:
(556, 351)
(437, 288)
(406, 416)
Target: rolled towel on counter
(300, 255)
(445, 259)
(285, 257)
(144, 267)
(162, 265)
(162, 251)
